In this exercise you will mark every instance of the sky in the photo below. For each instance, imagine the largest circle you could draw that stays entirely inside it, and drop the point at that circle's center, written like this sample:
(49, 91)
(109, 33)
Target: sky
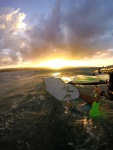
(56, 33)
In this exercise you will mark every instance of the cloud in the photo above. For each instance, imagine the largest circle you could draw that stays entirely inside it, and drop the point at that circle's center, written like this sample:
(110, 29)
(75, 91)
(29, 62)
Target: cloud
(12, 36)
(74, 29)
(90, 26)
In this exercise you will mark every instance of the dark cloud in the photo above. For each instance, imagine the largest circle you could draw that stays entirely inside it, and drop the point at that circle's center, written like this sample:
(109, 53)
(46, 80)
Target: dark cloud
(77, 28)
(90, 24)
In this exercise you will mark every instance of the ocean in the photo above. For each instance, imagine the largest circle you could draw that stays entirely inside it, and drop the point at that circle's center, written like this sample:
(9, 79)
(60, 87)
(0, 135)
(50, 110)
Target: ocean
(32, 119)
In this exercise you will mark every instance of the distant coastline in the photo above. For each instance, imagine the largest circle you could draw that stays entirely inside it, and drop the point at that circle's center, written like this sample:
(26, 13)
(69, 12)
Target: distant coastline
(17, 69)
(36, 68)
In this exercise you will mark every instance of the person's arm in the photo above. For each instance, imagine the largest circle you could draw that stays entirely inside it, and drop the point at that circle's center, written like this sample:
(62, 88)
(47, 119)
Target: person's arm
(106, 95)
(101, 93)
(89, 99)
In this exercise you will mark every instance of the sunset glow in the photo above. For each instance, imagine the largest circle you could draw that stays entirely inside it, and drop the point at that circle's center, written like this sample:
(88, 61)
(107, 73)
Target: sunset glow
(61, 63)
(47, 35)
(65, 63)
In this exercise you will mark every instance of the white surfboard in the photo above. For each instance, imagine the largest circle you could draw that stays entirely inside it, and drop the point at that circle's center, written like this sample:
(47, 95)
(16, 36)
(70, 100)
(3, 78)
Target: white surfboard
(61, 90)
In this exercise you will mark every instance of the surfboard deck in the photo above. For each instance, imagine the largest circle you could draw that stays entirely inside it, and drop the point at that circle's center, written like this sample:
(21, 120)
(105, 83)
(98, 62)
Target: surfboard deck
(66, 92)
(90, 80)
(60, 90)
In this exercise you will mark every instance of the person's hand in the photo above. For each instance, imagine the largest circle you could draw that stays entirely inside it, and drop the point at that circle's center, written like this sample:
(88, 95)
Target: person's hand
(98, 91)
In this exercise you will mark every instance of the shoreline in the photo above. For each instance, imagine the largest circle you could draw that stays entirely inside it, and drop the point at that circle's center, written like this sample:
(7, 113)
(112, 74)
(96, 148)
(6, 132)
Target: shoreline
(36, 68)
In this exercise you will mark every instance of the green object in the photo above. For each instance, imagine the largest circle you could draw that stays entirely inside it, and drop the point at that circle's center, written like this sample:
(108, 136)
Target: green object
(89, 79)
(95, 110)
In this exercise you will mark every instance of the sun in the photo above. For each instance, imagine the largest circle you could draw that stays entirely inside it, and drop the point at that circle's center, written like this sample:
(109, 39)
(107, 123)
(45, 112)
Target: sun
(61, 63)
(54, 64)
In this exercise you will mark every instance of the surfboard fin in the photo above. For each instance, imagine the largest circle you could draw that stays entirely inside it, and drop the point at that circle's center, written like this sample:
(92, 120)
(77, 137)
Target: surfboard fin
(94, 110)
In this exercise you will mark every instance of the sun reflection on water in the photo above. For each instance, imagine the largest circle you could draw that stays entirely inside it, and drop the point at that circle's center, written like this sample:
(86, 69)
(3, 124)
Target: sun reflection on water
(55, 74)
